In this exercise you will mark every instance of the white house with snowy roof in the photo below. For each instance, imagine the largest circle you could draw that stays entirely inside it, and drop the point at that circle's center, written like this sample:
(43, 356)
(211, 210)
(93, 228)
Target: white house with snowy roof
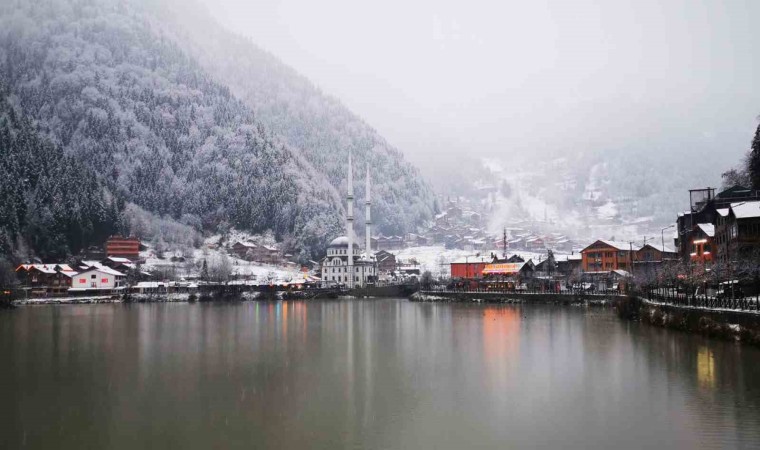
(97, 279)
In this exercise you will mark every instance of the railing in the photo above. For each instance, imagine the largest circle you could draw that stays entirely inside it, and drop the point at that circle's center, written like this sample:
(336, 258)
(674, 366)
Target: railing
(529, 291)
(672, 297)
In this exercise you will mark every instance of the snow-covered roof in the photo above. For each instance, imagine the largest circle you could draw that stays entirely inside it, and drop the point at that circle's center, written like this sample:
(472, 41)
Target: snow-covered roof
(46, 268)
(622, 273)
(707, 228)
(119, 259)
(614, 244)
(89, 263)
(660, 247)
(576, 257)
(746, 210)
(341, 241)
(107, 270)
(723, 212)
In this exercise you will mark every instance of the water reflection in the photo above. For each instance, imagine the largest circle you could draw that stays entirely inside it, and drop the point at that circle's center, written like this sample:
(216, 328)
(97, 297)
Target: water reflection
(366, 374)
(706, 368)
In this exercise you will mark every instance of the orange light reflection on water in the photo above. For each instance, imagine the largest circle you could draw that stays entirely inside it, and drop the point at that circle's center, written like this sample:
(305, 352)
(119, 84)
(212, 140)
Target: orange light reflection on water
(501, 341)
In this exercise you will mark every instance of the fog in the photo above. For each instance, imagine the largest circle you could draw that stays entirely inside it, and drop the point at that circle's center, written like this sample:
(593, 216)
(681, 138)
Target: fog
(508, 78)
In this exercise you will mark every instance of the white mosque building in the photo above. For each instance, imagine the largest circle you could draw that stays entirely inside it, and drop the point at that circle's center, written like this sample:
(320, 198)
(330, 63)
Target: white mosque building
(359, 269)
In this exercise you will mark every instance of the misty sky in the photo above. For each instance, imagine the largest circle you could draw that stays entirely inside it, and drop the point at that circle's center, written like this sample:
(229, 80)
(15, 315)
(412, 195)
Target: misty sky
(491, 77)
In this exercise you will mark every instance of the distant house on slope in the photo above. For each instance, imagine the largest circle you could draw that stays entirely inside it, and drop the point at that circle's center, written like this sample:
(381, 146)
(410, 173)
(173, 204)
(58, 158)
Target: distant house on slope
(119, 246)
(241, 249)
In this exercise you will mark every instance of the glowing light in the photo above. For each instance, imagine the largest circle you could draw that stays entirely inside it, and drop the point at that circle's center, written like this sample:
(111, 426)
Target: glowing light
(706, 368)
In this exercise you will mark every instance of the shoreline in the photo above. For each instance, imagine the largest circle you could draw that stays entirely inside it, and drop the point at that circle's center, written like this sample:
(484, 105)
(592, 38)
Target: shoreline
(506, 298)
(729, 325)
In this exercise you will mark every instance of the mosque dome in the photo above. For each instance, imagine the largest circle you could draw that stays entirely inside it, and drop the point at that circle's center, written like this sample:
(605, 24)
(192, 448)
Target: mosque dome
(341, 241)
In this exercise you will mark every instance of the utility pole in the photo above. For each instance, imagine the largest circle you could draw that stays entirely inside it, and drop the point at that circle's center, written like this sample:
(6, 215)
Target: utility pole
(630, 256)
(662, 233)
(504, 243)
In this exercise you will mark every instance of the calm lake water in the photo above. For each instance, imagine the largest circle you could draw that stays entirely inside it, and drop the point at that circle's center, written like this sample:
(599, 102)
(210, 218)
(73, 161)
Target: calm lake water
(366, 374)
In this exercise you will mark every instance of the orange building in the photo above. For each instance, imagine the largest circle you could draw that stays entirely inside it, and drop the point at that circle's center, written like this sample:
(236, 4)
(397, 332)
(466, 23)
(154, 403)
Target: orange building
(123, 247)
(606, 256)
(467, 269)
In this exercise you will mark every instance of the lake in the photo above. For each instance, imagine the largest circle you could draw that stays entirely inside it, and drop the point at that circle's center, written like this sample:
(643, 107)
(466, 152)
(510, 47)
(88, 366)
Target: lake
(373, 374)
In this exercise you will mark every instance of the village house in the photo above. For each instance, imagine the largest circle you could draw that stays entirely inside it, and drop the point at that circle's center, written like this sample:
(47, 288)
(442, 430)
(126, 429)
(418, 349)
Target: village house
(741, 231)
(45, 279)
(381, 242)
(512, 272)
(97, 279)
(650, 259)
(119, 246)
(241, 249)
(704, 207)
(386, 261)
(570, 265)
(249, 251)
(702, 237)
(606, 256)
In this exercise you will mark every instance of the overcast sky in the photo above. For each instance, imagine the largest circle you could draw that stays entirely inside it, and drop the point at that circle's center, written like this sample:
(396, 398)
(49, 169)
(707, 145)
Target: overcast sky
(496, 76)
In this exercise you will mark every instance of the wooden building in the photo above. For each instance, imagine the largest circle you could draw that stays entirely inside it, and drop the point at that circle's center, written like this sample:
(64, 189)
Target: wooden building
(742, 236)
(386, 261)
(606, 256)
(241, 249)
(42, 280)
(123, 247)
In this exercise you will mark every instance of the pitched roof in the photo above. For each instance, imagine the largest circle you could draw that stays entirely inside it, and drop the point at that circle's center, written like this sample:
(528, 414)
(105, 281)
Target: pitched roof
(707, 228)
(659, 248)
(107, 270)
(119, 259)
(622, 246)
(746, 210)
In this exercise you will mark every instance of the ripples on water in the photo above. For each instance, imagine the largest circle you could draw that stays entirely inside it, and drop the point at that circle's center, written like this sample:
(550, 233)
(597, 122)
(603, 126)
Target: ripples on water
(366, 374)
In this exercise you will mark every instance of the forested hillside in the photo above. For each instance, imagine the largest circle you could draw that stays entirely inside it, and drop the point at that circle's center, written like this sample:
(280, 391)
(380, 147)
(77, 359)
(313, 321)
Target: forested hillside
(107, 86)
(317, 125)
(51, 202)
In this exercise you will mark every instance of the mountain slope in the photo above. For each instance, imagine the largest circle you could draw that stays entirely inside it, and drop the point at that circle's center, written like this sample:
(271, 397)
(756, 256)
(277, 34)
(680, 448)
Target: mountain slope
(104, 84)
(319, 126)
(50, 201)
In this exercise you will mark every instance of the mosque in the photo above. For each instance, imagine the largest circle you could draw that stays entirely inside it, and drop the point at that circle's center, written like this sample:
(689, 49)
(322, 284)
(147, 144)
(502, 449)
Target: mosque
(359, 269)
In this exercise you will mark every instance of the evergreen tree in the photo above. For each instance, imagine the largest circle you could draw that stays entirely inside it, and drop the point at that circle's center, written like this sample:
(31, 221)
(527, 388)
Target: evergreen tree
(754, 161)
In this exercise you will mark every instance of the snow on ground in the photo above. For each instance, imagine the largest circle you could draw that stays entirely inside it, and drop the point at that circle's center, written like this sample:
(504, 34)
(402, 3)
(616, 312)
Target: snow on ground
(193, 264)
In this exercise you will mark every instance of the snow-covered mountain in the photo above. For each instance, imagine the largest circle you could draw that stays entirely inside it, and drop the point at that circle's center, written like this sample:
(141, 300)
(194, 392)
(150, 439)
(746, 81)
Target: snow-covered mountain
(316, 125)
(119, 89)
